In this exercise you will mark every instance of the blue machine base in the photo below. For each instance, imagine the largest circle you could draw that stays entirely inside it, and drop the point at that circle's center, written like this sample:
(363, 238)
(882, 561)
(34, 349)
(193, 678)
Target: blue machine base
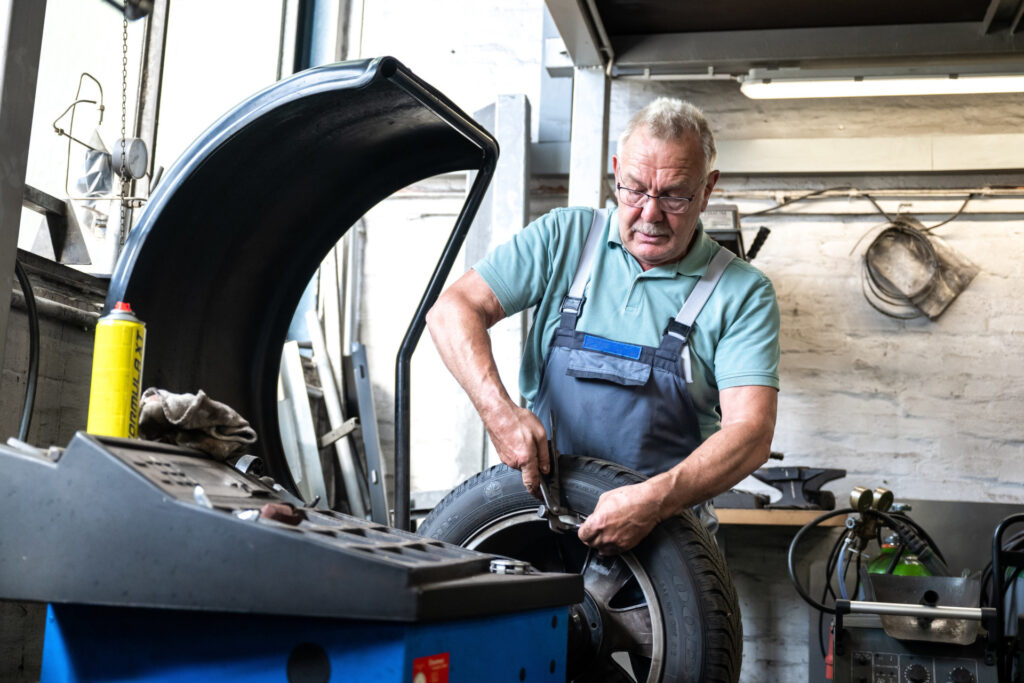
(90, 643)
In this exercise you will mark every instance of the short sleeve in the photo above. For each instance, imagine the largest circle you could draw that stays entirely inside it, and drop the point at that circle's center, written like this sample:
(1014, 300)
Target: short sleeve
(518, 271)
(747, 354)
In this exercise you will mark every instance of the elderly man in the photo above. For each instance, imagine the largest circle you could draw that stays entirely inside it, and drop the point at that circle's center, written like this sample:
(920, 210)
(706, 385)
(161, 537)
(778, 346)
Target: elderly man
(651, 347)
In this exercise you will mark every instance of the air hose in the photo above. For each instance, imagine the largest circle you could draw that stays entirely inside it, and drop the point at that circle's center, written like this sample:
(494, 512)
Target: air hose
(913, 541)
(32, 378)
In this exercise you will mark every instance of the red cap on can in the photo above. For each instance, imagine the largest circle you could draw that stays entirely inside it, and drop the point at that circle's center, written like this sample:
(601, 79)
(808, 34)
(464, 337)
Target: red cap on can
(123, 306)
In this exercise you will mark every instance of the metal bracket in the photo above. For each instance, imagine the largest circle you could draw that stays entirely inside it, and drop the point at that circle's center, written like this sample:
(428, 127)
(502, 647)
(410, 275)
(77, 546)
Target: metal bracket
(344, 430)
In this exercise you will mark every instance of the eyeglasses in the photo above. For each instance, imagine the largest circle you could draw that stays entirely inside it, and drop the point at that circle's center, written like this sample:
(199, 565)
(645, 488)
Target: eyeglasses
(638, 199)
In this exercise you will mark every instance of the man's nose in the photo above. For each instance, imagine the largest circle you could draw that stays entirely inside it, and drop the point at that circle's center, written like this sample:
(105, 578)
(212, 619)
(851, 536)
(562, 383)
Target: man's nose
(651, 212)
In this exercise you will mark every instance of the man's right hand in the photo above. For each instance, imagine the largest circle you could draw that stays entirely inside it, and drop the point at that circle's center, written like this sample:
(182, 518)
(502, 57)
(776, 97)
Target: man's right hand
(522, 444)
(458, 324)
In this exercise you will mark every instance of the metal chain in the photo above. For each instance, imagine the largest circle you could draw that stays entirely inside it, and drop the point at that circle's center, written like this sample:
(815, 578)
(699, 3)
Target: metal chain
(124, 127)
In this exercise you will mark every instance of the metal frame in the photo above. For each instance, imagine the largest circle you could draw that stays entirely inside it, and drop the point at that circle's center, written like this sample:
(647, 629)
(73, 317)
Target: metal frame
(21, 36)
(151, 76)
(222, 325)
(740, 51)
(402, 364)
(577, 31)
(1002, 559)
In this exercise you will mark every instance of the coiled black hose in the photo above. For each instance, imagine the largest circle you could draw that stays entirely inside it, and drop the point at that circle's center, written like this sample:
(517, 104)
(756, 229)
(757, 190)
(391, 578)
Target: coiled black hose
(32, 379)
(907, 530)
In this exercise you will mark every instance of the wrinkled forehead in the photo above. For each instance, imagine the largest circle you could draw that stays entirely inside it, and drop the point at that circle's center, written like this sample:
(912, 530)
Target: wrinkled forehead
(684, 153)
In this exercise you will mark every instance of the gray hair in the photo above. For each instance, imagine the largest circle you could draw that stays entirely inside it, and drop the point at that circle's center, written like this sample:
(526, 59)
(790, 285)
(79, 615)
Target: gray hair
(668, 118)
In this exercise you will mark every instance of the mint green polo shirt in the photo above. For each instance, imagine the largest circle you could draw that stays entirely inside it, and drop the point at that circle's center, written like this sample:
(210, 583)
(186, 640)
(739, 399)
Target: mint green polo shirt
(735, 339)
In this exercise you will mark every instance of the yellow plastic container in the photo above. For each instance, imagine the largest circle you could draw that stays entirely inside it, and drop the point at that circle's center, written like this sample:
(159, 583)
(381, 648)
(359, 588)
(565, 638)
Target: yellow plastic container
(116, 386)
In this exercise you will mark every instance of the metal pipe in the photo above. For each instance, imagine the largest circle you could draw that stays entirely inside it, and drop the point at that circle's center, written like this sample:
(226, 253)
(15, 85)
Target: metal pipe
(335, 415)
(412, 336)
(55, 310)
(998, 626)
(904, 610)
(489, 159)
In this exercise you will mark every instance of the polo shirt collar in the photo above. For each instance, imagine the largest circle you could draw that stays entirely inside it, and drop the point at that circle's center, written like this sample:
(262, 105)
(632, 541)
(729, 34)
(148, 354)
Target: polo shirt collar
(694, 263)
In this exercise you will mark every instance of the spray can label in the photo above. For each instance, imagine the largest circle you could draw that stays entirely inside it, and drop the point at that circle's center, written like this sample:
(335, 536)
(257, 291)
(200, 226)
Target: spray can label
(116, 385)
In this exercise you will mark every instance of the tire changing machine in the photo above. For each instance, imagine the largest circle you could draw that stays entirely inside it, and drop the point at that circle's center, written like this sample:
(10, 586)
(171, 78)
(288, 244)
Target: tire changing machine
(158, 566)
(157, 562)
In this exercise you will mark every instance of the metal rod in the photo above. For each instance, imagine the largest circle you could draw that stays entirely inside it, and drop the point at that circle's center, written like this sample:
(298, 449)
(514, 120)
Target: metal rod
(998, 626)
(444, 109)
(402, 398)
(335, 414)
(905, 610)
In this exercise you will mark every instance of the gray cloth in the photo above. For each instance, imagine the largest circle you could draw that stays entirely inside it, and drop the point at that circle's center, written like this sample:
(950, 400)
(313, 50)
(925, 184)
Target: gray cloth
(194, 421)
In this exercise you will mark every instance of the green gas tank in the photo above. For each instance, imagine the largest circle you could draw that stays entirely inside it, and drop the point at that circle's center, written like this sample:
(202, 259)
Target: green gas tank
(908, 565)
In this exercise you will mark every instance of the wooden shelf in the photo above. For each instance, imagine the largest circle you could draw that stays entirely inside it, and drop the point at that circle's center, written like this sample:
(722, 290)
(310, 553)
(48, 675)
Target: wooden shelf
(775, 517)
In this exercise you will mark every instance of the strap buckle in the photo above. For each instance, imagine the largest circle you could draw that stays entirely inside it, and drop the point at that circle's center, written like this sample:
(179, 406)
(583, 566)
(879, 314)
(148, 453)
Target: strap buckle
(572, 304)
(678, 329)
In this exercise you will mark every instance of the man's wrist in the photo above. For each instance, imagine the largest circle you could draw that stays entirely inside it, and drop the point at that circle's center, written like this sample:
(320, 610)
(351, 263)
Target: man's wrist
(665, 495)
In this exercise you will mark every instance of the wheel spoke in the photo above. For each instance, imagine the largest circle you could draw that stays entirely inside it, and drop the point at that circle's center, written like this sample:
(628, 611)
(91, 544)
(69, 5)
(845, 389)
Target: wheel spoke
(605, 671)
(604, 577)
(629, 630)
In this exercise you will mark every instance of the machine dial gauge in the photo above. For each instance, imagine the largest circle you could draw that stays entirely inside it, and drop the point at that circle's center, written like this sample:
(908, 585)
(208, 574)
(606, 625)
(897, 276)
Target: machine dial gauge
(916, 673)
(134, 161)
(961, 675)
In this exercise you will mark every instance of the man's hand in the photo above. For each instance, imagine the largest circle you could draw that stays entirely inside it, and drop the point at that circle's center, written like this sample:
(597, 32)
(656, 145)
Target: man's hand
(522, 444)
(458, 324)
(623, 517)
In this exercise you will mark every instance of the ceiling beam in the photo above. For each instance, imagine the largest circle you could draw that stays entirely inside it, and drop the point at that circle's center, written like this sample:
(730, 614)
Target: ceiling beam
(574, 24)
(738, 51)
(999, 15)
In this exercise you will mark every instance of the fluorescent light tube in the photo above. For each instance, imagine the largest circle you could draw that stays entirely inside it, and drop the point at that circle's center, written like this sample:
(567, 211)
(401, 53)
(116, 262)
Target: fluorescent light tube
(772, 89)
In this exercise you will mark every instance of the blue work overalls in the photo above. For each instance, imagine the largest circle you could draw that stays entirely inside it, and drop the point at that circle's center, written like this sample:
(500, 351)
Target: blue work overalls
(621, 402)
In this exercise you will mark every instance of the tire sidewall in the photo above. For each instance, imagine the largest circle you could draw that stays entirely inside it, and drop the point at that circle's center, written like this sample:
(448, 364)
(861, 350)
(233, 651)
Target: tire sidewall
(498, 492)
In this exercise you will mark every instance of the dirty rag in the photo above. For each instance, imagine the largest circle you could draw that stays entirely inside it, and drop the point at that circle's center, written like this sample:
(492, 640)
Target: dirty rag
(194, 421)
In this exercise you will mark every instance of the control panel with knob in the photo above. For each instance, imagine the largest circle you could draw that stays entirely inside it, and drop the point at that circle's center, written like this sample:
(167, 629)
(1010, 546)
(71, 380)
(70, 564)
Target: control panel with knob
(917, 673)
(961, 675)
(867, 666)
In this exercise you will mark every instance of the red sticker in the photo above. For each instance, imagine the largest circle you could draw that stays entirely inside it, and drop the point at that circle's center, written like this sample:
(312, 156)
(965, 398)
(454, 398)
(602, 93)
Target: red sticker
(432, 669)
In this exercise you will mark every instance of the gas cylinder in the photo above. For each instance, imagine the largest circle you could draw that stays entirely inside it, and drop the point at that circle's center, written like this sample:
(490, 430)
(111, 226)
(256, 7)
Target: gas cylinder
(116, 386)
(908, 565)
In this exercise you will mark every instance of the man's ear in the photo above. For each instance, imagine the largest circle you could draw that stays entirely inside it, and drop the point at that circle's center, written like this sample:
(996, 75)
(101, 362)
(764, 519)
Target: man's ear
(615, 164)
(708, 187)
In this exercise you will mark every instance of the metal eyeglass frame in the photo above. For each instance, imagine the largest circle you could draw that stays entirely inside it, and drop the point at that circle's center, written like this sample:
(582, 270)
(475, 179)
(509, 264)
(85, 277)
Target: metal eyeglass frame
(689, 200)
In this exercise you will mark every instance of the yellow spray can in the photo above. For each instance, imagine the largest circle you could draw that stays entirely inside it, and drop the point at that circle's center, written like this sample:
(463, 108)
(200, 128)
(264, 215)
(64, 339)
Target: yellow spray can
(117, 374)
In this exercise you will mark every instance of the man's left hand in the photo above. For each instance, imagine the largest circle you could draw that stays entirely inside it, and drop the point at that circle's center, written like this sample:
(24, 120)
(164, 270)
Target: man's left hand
(623, 517)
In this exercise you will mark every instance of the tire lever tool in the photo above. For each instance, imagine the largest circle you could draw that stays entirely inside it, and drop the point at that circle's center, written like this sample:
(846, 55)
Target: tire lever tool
(559, 518)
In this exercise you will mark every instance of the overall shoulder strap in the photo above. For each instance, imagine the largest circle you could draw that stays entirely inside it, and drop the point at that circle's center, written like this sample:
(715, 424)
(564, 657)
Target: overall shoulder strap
(678, 333)
(694, 303)
(572, 304)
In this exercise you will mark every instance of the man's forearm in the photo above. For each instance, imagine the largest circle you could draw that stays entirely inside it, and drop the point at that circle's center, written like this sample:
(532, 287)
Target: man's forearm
(725, 459)
(458, 325)
(460, 334)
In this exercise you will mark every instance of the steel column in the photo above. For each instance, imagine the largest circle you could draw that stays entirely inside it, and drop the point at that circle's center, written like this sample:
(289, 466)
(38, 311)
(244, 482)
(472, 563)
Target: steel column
(147, 109)
(21, 34)
(588, 154)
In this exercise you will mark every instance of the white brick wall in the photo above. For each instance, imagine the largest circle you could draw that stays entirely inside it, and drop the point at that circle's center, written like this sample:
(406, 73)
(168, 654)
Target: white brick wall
(928, 409)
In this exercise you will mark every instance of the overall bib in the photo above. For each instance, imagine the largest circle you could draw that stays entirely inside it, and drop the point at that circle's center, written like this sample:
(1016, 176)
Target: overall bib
(621, 402)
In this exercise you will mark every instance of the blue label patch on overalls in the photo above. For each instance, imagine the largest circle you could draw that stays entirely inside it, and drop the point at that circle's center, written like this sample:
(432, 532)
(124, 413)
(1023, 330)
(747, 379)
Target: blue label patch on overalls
(613, 347)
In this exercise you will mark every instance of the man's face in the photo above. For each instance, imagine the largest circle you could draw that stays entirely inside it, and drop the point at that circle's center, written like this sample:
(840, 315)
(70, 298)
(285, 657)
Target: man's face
(661, 167)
